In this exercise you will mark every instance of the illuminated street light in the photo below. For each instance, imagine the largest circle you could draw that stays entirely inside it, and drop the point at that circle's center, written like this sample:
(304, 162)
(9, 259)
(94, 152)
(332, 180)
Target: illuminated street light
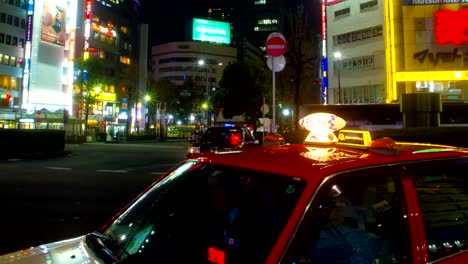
(147, 98)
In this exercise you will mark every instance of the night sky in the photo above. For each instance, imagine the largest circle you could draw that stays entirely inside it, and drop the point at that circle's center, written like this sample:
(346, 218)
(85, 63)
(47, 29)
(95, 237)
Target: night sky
(166, 19)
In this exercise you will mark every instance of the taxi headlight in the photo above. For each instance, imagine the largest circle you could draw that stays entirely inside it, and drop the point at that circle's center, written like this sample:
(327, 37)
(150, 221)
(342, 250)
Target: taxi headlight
(194, 150)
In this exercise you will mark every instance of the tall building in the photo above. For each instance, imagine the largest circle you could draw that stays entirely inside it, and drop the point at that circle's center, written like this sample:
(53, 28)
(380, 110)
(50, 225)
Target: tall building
(12, 42)
(47, 85)
(386, 49)
(110, 31)
(356, 52)
(197, 61)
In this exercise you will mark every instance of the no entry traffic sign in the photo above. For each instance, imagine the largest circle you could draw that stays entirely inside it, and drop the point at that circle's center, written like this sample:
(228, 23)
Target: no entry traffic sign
(275, 44)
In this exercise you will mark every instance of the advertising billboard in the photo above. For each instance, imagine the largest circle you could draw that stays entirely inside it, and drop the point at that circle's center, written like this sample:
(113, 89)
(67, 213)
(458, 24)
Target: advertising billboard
(211, 31)
(49, 53)
(53, 26)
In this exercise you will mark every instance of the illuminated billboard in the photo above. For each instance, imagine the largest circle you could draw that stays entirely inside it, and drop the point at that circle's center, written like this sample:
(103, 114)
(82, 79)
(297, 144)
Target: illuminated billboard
(49, 54)
(211, 31)
(53, 26)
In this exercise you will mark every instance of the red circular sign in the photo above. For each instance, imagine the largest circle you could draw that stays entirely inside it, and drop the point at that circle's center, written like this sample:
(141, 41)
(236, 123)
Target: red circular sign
(276, 45)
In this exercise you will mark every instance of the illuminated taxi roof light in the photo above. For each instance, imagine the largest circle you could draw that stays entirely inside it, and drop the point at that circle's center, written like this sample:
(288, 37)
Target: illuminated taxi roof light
(322, 127)
(355, 138)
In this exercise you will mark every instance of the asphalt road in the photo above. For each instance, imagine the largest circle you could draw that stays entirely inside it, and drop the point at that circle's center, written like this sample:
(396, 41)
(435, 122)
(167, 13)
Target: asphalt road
(46, 200)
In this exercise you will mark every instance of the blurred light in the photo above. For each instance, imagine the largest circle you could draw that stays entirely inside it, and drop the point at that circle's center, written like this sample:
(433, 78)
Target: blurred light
(337, 55)
(97, 89)
(147, 98)
(286, 112)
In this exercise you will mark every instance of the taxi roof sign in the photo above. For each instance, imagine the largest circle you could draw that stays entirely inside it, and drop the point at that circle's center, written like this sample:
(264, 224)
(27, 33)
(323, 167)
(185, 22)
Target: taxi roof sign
(354, 138)
(322, 127)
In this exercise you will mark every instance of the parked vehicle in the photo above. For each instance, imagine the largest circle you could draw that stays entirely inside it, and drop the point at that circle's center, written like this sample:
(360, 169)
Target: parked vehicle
(340, 197)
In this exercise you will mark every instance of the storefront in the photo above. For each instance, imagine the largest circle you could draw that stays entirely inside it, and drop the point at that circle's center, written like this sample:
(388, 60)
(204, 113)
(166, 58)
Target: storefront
(430, 52)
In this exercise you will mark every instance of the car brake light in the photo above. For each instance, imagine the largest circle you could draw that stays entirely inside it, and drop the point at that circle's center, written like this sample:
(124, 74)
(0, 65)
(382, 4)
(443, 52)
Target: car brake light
(235, 140)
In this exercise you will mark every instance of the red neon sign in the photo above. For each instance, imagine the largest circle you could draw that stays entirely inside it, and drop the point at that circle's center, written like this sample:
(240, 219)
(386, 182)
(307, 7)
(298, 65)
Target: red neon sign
(88, 9)
(451, 26)
(215, 256)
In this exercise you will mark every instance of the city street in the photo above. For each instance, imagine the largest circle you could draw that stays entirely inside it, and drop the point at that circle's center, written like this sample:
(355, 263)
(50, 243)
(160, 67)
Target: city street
(46, 200)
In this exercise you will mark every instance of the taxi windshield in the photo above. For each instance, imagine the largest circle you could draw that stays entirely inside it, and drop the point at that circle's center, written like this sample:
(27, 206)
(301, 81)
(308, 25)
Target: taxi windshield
(202, 210)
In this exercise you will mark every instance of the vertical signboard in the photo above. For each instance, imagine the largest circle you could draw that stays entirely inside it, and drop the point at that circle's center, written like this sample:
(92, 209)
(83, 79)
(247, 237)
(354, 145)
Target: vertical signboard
(27, 53)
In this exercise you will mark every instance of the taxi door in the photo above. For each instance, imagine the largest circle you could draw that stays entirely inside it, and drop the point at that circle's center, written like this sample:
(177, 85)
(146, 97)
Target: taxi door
(356, 216)
(437, 200)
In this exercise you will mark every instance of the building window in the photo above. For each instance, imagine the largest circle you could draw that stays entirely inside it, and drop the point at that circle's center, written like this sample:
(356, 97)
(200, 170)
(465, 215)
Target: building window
(16, 21)
(8, 40)
(342, 12)
(369, 4)
(12, 61)
(14, 41)
(2, 17)
(6, 59)
(22, 23)
(2, 38)
(9, 19)
(21, 43)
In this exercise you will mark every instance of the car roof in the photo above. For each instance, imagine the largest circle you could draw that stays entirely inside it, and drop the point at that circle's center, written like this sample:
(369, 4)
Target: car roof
(314, 162)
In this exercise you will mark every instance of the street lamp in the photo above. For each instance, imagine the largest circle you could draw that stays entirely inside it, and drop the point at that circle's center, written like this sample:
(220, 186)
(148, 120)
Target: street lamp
(338, 57)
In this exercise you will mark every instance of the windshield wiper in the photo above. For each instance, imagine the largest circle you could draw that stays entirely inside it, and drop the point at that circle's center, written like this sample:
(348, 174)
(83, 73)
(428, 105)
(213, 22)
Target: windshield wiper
(105, 247)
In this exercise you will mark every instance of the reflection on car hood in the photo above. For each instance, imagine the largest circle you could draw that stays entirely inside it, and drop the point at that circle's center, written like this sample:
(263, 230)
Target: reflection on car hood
(69, 251)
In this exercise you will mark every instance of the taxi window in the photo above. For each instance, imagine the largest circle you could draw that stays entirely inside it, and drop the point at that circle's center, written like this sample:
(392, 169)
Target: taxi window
(355, 218)
(202, 213)
(442, 189)
(248, 210)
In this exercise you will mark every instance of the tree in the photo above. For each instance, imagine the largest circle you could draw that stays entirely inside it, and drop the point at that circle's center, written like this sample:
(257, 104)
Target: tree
(243, 96)
(90, 80)
(302, 62)
(127, 79)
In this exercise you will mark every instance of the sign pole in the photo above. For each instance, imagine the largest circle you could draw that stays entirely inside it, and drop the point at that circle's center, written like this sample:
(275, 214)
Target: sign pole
(273, 123)
(275, 47)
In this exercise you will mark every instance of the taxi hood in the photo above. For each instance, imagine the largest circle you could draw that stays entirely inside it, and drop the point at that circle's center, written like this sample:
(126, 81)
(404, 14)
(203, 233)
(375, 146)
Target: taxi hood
(66, 251)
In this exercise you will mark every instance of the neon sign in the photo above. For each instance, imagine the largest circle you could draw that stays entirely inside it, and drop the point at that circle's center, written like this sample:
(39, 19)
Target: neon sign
(88, 10)
(451, 26)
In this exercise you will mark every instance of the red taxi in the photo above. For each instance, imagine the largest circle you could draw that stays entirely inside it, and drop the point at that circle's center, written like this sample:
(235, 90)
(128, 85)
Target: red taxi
(340, 197)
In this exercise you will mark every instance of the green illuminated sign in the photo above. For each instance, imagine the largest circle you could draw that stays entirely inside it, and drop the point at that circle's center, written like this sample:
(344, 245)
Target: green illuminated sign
(212, 31)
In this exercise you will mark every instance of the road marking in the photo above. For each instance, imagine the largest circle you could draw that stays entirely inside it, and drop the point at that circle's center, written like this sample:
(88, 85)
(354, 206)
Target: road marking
(58, 168)
(117, 171)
